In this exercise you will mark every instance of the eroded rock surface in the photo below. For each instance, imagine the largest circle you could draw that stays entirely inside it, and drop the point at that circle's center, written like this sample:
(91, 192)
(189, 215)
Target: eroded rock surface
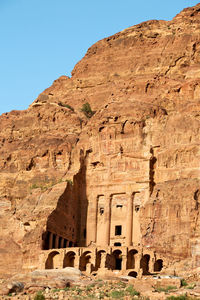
(144, 85)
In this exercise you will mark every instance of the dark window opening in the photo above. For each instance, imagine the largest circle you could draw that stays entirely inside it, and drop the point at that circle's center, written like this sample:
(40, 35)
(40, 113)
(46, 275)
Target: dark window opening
(132, 274)
(84, 233)
(137, 208)
(70, 244)
(119, 205)
(117, 244)
(101, 210)
(118, 230)
(158, 265)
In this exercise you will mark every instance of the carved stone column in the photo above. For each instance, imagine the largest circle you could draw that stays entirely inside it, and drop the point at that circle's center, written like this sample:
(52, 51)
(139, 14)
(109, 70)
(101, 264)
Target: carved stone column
(124, 262)
(137, 262)
(107, 222)
(50, 240)
(91, 231)
(76, 261)
(103, 260)
(151, 265)
(129, 223)
(56, 242)
(89, 268)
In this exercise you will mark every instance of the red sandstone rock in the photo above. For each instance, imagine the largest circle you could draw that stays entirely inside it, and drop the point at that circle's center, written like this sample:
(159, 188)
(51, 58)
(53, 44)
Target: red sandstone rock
(144, 85)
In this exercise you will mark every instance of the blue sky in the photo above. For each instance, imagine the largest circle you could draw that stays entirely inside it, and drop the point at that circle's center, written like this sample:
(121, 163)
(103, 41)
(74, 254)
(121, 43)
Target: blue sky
(43, 39)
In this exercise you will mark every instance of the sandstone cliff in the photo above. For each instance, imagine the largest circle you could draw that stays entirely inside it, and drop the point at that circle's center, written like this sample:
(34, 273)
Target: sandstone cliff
(144, 85)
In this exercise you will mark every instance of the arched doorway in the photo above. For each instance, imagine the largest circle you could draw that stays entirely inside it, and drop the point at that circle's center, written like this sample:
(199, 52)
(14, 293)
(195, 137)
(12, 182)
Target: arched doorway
(144, 264)
(132, 274)
(131, 259)
(117, 255)
(69, 259)
(84, 260)
(158, 265)
(52, 261)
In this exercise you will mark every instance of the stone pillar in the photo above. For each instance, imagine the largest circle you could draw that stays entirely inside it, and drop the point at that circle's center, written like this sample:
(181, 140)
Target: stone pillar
(91, 231)
(61, 255)
(50, 240)
(103, 260)
(151, 265)
(137, 262)
(62, 243)
(56, 242)
(107, 220)
(93, 257)
(129, 223)
(76, 261)
(89, 268)
(124, 262)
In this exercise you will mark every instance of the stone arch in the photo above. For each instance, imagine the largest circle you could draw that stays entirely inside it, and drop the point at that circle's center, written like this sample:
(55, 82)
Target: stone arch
(132, 274)
(84, 260)
(144, 264)
(69, 259)
(131, 259)
(52, 260)
(158, 265)
(117, 256)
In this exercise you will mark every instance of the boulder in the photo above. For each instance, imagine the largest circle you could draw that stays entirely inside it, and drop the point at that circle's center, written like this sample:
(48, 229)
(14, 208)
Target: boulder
(15, 287)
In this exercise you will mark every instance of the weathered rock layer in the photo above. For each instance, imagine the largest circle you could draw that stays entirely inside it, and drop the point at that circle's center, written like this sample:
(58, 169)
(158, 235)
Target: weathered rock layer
(144, 86)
